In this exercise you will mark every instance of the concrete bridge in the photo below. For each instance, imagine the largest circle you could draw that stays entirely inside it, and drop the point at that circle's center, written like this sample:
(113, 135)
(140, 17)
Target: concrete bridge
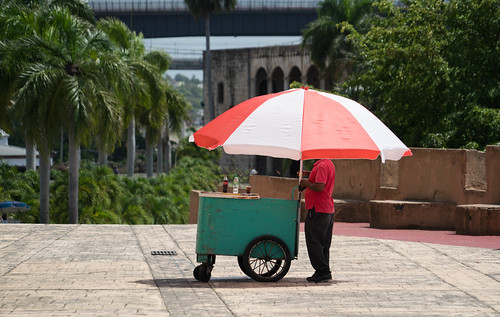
(172, 18)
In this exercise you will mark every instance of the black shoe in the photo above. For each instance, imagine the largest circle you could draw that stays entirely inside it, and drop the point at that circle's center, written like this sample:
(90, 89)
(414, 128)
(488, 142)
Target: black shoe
(319, 277)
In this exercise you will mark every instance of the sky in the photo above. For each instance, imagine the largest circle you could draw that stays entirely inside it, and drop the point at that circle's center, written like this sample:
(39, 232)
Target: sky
(193, 47)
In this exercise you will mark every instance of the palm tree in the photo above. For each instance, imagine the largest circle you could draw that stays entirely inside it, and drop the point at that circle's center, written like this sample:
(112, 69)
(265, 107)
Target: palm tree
(330, 50)
(19, 20)
(177, 113)
(153, 118)
(203, 9)
(13, 25)
(16, 21)
(67, 82)
(145, 89)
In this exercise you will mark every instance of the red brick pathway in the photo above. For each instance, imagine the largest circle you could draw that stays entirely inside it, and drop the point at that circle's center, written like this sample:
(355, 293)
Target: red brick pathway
(424, 236)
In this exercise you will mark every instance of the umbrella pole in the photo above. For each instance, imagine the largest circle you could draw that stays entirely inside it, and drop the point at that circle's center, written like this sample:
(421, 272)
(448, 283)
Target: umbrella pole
(300, 170)
(298, 212)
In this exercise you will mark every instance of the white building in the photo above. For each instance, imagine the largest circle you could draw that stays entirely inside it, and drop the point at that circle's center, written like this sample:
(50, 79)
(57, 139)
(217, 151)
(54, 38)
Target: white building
(13, 155)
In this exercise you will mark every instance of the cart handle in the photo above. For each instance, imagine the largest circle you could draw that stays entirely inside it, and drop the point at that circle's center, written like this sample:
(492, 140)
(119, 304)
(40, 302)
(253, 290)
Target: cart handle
(293, 191)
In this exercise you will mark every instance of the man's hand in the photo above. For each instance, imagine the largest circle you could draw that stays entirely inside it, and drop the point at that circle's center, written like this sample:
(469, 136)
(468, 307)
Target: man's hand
(305, 173)
(304, 183)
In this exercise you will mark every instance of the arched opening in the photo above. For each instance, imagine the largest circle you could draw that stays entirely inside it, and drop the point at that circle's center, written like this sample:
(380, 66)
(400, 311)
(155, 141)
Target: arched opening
(295, 75)
(278, 79)
(313, 77)
(220, 92)
(261, 82)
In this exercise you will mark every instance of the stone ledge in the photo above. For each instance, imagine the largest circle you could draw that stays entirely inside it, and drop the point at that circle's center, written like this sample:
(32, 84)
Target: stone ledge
(402, 214)
(352, 210)
(479, 219)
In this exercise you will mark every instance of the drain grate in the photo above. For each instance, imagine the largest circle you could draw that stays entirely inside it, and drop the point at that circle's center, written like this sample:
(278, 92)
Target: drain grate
(163, 252)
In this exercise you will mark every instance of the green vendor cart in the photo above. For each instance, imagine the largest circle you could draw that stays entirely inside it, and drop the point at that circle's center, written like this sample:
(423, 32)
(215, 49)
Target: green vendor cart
(261, 232)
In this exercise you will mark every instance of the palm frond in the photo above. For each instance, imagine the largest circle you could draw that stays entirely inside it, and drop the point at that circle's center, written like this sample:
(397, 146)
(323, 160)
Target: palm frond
(159, 59)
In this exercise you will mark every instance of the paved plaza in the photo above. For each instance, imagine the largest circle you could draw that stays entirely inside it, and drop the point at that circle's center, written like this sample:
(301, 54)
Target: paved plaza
(108, 270)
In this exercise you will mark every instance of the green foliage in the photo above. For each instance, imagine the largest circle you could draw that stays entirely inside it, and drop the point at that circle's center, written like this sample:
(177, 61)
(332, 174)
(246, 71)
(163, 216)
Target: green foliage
(22, 187)
(106, 198)
(190, 149)
(431, 71)
(60, 71)
(206, 7)
(192, 91)
(327, 40)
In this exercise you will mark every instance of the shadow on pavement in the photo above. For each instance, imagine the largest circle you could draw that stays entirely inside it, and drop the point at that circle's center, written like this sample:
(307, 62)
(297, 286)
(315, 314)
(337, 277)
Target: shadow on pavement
(233, 282)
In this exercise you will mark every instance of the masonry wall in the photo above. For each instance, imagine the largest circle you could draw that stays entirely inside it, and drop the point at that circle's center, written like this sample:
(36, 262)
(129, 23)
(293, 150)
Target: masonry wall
(432, 175)
(236, 75)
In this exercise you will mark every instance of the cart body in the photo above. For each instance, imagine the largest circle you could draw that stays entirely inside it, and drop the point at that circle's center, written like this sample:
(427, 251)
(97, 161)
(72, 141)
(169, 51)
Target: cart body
(228, 224)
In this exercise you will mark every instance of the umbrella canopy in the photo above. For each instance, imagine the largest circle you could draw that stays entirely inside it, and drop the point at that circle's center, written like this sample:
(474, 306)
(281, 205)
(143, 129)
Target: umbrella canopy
(301, 124)
(13, 206)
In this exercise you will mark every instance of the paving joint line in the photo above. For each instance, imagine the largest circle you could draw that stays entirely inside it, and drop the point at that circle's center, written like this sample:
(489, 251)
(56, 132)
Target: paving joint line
(470, 268)
(72, 228)
(209, 283)
(22, 237)
(429, 245)
(151, 270)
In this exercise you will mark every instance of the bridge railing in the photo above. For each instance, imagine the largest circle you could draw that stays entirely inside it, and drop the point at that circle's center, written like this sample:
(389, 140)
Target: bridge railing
(179, 5)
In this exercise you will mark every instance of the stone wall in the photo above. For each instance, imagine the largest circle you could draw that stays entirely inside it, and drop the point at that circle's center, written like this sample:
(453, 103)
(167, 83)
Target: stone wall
(434, 188)
(237, 73)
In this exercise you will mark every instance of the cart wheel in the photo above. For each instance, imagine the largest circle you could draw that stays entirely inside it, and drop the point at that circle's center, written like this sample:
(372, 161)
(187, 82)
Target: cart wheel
(266, 259)
(242, 266)
(269, 273)
(202, 273)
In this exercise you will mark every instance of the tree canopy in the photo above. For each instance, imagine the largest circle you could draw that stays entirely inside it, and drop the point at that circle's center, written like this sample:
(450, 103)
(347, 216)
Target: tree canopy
(431, 71)
(329, 47)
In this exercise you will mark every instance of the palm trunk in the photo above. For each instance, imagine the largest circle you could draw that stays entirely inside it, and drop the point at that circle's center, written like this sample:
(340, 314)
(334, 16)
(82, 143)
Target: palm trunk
(74, 167)
(168, 152)
(131, 148)
(30, 155)
(102, 157)
(159, 159)
(44, 174)
(209, 71)
(102, 153)
(149, 158)
(61, 147)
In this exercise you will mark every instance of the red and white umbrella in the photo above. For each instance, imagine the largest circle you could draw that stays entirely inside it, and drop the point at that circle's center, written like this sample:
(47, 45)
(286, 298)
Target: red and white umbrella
(301, 124)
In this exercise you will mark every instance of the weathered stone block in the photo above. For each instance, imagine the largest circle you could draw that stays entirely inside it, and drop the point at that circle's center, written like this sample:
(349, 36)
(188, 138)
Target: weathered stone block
(397, 214)
(478, 219)
(352, 210)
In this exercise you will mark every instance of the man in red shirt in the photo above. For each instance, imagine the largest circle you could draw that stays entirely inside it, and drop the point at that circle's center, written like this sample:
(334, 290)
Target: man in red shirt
(319, 220)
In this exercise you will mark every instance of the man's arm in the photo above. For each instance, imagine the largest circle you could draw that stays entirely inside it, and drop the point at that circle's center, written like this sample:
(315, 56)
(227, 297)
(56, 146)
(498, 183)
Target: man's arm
(317, 187)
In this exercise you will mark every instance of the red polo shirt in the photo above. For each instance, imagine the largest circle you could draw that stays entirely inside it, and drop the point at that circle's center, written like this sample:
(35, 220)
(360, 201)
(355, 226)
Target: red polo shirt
(323, 172)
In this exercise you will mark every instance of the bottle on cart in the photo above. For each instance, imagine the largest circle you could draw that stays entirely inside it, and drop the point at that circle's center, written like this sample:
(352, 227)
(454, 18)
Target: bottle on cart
(224, 184)
(236, 185)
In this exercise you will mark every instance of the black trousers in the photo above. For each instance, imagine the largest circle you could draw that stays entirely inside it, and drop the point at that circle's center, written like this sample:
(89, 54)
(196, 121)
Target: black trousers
(318, 230)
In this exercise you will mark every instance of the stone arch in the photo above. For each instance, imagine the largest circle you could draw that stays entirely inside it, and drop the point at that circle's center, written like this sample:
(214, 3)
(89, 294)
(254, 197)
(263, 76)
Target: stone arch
(313, 77)
(278, 80)
(295, 75)
(261, 82)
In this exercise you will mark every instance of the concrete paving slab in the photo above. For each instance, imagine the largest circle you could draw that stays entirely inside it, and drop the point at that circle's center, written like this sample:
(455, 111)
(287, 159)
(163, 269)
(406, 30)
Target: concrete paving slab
(108, 270)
